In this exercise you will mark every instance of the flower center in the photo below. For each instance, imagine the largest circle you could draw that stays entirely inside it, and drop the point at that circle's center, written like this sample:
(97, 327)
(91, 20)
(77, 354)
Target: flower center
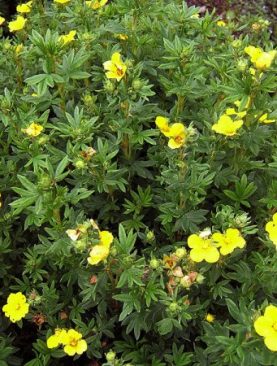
(73, 342)
(119, 71)
(206, 244)
(178, 139)
(275, 326)
(18, 306)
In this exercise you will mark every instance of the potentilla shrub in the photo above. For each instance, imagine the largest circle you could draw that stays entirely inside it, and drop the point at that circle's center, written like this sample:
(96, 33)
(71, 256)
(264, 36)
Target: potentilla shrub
(138, 215)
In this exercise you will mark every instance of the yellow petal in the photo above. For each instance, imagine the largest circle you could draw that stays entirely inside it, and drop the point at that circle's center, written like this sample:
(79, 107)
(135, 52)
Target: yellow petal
(106, 238)
(52, 341)
(230, 111)
(81, 347)
(177, 129)
(69, 350)
(211, 255)
(116, 58)
(271, 342)
(97, 254)
(218, 238)
(194, 241)
(197, 255)
(263, 326)
(271, 313)
(172, 144)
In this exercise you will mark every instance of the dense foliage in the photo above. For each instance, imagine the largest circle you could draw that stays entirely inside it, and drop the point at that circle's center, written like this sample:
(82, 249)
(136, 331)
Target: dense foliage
(138, 186)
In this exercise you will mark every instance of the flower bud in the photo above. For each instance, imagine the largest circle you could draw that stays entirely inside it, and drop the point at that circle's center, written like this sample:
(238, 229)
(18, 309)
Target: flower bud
(80, 245)
(88, 99)
(200, 278)
(150, 236)
(137, 84)
(180, 252)
(236, 43)
(110, 356)
(45, 181)
(113, 251)
(109, 86)
(79, 164)
(154, 263)
(185, 282)
(242, 64)
(43, 140)
(173, 307)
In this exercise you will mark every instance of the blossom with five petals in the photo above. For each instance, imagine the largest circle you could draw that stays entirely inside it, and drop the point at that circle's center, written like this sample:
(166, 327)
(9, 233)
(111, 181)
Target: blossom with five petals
(115, 68)
(266, 326)
(228, 241)
(202, 249)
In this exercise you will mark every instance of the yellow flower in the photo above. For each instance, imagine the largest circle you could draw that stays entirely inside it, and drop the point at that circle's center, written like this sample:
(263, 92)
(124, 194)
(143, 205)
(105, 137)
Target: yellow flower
(260, 59)
(264, 61)
(195, 16)
(98, 254)
(57, 339)
(101, 251)
(61, 1)
(106, 238)
(221, 23)
(2, 20)
(17, 24)
(202, 249)
(252, 71)
(74, 343)
(162, 124)
(122, 36)
(210, 318)
(69, 37)
(19, 49)
(264, 119)
(271, 228)
(96, 4)
(226, 126)
(177, 136)
(237, 103)
(233, 112)
(266, 326)
(115, 67)
(253, 52)
(24, 8)
(75, 233)
(228, 241)
(33, 130)
(16, 307)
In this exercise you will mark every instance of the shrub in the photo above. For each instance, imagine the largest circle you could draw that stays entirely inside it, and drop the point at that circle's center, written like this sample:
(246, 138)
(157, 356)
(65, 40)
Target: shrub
(138, 187)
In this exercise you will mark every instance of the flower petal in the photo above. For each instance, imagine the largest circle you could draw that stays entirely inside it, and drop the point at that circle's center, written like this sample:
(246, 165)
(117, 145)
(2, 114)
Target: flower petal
(197, 255)
(271, 342)
(211, 255)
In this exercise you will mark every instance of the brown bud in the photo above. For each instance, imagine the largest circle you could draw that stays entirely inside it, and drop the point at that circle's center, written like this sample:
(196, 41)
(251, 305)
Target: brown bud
(177, 272)
(93, 280)
(39, 319)
(63, 315)
(33, 295)
(192, 276)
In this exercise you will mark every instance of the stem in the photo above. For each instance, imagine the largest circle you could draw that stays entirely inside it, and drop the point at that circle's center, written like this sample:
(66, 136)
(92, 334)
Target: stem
(180, 105)
(182, 173)
(57, 215)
